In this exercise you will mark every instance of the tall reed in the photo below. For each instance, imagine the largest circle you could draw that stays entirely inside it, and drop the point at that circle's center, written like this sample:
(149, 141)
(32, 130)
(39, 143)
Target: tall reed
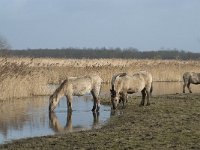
(24, 77)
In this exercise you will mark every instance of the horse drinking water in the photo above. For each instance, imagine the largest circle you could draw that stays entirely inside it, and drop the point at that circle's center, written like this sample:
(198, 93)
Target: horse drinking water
(124, 84)
(77, 86)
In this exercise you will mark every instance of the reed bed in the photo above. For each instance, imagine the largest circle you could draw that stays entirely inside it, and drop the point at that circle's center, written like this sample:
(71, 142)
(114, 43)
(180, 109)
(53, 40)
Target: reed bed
(24, 77)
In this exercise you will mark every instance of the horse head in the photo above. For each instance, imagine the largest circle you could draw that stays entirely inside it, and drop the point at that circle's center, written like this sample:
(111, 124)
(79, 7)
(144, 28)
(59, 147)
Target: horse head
(55, 97)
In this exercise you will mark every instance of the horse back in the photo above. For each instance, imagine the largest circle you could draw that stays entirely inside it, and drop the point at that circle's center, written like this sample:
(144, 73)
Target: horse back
(191, 77)
(195, 78)
(129, 83)
(96, 79)
(147, 78)
(78, 86)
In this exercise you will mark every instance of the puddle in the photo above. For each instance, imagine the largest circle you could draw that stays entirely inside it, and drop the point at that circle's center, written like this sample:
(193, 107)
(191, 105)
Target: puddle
(30, 118)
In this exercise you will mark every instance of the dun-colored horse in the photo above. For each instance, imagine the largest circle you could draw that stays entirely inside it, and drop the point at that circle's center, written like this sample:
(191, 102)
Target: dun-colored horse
(123, 84)
(77, 86)
(190, 78)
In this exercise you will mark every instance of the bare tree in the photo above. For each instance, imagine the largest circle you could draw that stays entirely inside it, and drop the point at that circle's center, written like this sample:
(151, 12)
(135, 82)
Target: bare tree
(4, 46)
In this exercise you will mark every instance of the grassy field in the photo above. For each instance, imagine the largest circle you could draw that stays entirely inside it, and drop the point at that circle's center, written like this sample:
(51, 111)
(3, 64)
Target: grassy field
(170, 122)
(25, 77)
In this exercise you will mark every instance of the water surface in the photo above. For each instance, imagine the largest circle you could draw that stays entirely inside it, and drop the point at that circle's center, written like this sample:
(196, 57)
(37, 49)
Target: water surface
(31, 118)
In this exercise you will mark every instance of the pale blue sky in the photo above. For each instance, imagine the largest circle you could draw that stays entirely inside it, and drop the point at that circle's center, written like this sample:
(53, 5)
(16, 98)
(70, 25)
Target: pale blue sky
(142, 24)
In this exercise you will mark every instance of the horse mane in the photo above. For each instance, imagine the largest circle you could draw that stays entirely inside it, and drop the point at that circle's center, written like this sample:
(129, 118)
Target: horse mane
(60, 87)
(115, 77)
(121, 75)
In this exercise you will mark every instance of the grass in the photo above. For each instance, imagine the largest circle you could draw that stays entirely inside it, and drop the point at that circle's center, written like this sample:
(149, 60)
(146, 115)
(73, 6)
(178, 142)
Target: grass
(170, 122)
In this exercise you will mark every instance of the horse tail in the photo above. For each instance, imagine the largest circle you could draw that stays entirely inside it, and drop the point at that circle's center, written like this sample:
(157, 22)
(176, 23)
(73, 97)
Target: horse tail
(151, 89)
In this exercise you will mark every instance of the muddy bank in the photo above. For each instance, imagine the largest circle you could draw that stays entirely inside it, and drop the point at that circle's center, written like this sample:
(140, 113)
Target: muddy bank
(170, 122)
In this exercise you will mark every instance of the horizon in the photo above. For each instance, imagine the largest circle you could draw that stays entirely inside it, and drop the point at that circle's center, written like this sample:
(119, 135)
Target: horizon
(106, 48)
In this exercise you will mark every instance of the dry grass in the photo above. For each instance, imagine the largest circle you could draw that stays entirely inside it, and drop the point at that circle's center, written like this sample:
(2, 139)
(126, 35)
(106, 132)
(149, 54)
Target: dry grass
(24, 77)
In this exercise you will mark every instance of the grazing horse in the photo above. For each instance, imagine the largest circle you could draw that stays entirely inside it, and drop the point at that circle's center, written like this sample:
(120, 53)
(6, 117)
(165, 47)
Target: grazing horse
(77, 86)
(112, 84)
(124, 84)
(190, 78)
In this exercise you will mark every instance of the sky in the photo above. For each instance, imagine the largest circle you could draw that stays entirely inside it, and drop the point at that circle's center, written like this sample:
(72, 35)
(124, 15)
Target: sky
(142, 24)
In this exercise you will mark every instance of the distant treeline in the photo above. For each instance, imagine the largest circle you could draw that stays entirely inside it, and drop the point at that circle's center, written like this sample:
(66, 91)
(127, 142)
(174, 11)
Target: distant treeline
(130, 53)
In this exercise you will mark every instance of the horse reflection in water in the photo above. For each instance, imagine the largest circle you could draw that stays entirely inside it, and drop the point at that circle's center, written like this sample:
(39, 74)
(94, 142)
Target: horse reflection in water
(57, 127)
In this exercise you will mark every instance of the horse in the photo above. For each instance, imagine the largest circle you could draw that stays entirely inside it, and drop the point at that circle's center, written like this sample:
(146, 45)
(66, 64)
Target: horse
(190, 78)
(77, 86)
(123, 84)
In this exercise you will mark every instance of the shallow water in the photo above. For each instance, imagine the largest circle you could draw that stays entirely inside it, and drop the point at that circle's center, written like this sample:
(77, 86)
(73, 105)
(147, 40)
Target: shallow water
(30, 117)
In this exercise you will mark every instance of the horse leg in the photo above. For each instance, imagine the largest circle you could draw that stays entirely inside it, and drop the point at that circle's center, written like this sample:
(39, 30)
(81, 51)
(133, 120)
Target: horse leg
(124, 99)
(148, 95)
(69, 103)
(96, 105)
(189, 88)
(143, 97)
(186, 81)
(184, 85)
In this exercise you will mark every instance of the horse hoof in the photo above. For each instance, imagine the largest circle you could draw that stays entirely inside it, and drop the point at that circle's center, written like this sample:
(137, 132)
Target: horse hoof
(147, 104)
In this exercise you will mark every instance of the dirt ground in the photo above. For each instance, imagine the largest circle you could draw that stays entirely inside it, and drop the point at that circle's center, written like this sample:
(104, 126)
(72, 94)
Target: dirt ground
(170, 122)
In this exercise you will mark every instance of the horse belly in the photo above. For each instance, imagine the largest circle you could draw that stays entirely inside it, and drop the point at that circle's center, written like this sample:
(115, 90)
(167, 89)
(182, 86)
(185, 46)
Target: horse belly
(194, 81)
(131, 91)
(136, 88)
(80, 91)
